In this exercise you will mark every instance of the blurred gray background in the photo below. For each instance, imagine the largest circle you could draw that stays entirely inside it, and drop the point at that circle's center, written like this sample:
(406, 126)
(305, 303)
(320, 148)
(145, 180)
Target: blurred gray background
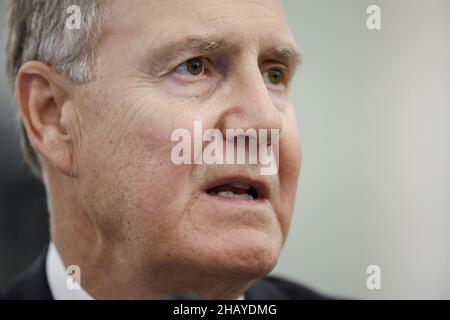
(374, 111)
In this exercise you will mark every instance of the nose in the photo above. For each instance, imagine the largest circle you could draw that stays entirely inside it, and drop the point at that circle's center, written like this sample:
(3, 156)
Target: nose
(249, 104)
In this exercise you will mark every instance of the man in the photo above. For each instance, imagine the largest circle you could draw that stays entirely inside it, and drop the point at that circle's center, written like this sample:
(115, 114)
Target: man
(99, 104)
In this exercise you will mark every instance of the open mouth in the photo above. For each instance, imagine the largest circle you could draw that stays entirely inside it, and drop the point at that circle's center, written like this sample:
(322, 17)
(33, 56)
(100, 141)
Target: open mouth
(235, 190)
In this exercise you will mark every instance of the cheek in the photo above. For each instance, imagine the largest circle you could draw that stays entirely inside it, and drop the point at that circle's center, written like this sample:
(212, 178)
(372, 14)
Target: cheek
(159, 201)
(290, 155)
(289, 170)
(161, 193)
(130, 179)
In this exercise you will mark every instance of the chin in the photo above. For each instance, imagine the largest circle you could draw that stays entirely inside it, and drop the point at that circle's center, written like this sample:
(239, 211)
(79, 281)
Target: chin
(247, 254)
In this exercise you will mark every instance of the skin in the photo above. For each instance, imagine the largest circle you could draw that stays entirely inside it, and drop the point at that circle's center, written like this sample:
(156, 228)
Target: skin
(139, 226)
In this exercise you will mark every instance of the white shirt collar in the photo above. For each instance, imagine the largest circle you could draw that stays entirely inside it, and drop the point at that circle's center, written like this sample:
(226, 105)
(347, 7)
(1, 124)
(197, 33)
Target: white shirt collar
(58, 278)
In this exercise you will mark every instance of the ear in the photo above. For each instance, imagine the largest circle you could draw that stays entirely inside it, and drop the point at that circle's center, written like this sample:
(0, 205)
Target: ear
(42, 97)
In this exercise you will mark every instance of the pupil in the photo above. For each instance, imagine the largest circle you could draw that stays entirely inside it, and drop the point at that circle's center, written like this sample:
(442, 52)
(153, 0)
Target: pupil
(194, 66)
(275, 76)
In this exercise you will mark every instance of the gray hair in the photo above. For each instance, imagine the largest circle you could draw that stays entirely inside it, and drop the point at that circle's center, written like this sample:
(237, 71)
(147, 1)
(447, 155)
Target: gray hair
(36, 30)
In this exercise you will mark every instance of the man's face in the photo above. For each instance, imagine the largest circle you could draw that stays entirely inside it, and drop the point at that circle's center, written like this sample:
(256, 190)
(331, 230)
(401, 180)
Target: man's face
(161, 66)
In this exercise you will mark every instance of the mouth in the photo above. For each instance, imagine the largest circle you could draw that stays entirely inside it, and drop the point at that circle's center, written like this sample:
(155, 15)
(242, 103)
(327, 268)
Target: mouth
(239, 188)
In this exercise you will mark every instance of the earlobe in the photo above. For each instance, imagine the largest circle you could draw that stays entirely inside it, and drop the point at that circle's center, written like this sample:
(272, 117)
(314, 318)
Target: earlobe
(41, 102)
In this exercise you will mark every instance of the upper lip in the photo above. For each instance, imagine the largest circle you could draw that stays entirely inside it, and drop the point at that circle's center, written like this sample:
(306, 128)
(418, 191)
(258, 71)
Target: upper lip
(259, 185)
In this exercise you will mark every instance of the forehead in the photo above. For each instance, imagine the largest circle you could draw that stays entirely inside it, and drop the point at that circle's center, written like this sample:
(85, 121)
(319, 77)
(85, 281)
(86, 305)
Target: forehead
(151, 23)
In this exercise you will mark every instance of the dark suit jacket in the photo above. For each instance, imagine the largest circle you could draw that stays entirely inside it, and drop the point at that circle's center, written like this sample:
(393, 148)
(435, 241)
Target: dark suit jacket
(32, 284)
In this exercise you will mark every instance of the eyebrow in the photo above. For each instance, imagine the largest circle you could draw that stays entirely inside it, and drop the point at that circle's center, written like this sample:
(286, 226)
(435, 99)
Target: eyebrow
(287, 54)
(189, 45)
(196, 45)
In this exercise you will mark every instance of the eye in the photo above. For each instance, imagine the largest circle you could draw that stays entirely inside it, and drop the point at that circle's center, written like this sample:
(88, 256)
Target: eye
(274, 76)
(192, 67)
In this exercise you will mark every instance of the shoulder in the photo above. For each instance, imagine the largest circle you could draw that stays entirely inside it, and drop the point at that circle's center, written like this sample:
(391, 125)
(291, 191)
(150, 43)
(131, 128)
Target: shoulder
(276, 288)
(31, 284)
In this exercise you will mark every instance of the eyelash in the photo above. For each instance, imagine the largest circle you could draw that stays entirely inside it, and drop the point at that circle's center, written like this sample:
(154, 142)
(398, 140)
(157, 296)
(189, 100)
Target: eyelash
(206, 70)
(277, 66)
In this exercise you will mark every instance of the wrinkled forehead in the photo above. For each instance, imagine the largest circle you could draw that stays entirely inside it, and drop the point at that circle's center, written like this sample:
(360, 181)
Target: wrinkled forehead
(152, 23)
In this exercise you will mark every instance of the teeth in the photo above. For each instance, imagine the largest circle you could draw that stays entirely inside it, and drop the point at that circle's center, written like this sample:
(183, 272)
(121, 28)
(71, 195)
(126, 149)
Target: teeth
(229, 194)
(240, 185)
